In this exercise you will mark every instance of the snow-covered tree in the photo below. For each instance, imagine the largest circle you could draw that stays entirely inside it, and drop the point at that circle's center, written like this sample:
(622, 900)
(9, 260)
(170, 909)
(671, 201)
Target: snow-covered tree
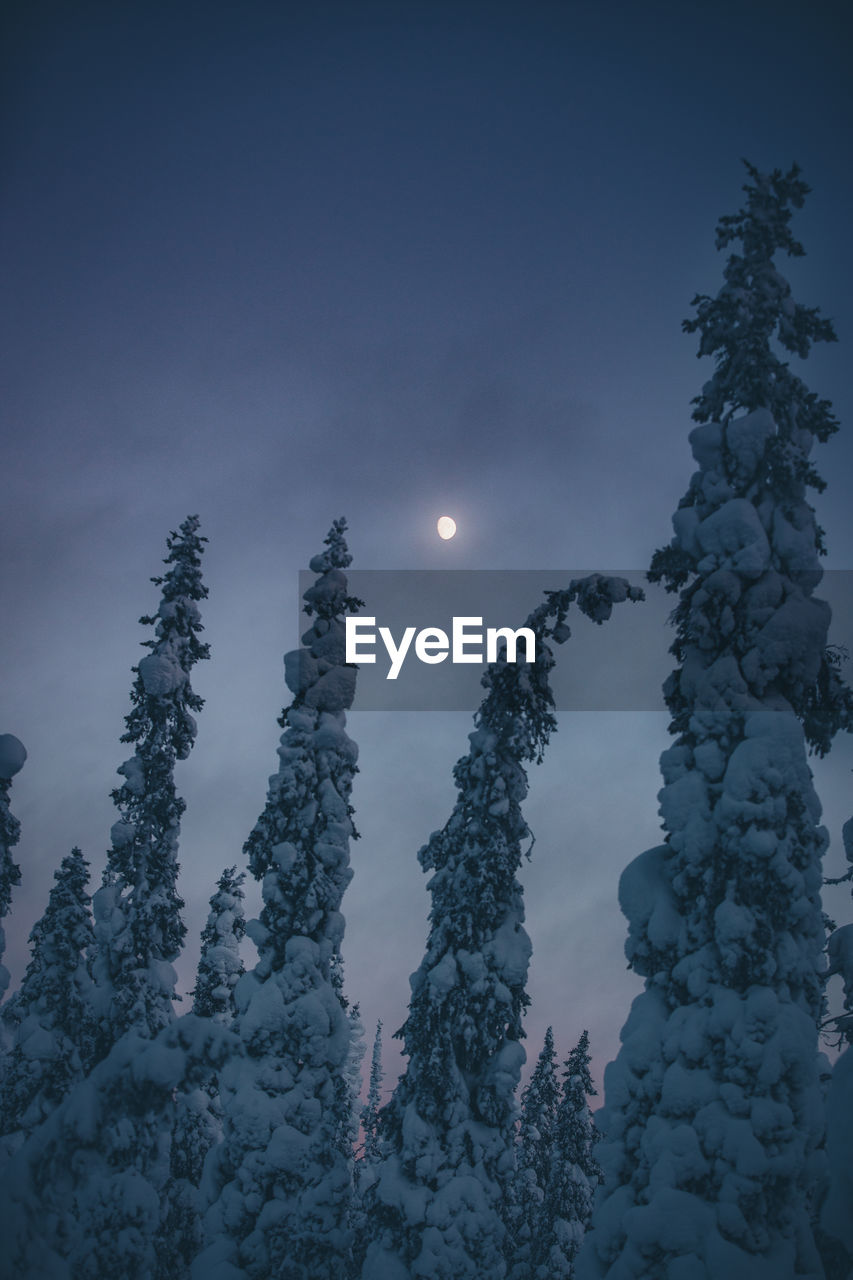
(52, 1011)
(81, 1199)
(88, 1182)
(198, 1110)
(557, 1172)
(12, 757)
(280, 1179)
(350, 1110)
(574, 1172)
(367, 1155)
(713, 1116)
(137, 911)
(373, 1103)
(220, 966)
(448, 1132)
(525, 1219)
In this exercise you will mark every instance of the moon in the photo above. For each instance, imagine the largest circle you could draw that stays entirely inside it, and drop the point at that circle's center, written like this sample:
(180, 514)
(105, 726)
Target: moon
(446, 527)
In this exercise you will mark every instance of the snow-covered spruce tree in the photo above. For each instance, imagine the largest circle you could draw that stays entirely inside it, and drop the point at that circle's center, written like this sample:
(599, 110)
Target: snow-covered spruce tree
(574, 1172)
(137, 911)
(524, 1217)
(198, 1111)
(350, 1114)
(713, 1115)
(52, 1016)
(87, 1184)
(348, 1133)
(12, 757)
(367, 1155)
(448, 1132)
(372, 1104)
(220, 966)
(81, 1199)
(280, 1180)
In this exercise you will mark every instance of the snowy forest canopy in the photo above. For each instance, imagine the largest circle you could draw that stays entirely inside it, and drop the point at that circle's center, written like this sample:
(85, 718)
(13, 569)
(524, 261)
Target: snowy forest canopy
(233, 1142)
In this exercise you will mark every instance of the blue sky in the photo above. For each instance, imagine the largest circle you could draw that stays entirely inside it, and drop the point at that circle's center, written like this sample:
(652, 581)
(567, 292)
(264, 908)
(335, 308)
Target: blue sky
(285, 262)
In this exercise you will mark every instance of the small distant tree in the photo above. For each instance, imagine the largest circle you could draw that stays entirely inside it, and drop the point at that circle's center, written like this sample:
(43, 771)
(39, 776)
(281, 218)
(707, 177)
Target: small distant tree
(574, 1174)
(350, 1110)
(367, 1155)
(52, 1015)
(533, 1165)
(138, 909)
(373, 1103)
(220, 965)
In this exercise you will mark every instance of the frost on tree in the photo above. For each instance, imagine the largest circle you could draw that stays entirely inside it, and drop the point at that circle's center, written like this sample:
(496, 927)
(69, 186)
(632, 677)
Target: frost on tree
(51, 1013)
(137, 911)
(713, 1116)
(86, 1186)
(220, 966)
(448, 1132)
(557, 1172)
(372, 1105)
(198, 1111)
(280, 1177)
(12, 756)
(82, 1198)
(349, 1092)
(525, 1208)
(574, 1174)
(368, 1154)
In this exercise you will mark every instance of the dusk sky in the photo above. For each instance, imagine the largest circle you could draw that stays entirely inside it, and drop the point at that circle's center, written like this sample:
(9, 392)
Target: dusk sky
(278, 263)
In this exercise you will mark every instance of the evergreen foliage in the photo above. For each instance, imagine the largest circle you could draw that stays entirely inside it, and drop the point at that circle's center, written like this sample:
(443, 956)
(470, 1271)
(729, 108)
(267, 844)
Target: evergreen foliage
(574, 1173)
(222, 1144)
(281, 1183)
(197, 1127)
(198, 1111)
(137, 911)
(526, 1218)
(83, 1197)
(752, 309)
(220, 966)
(86, 1189)
(448, 1157)
(51, 1014)
(370, 1110)
(367, 1154)
(763, 459)
(556, 1172)
(713, 1115)
(351, 1091)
